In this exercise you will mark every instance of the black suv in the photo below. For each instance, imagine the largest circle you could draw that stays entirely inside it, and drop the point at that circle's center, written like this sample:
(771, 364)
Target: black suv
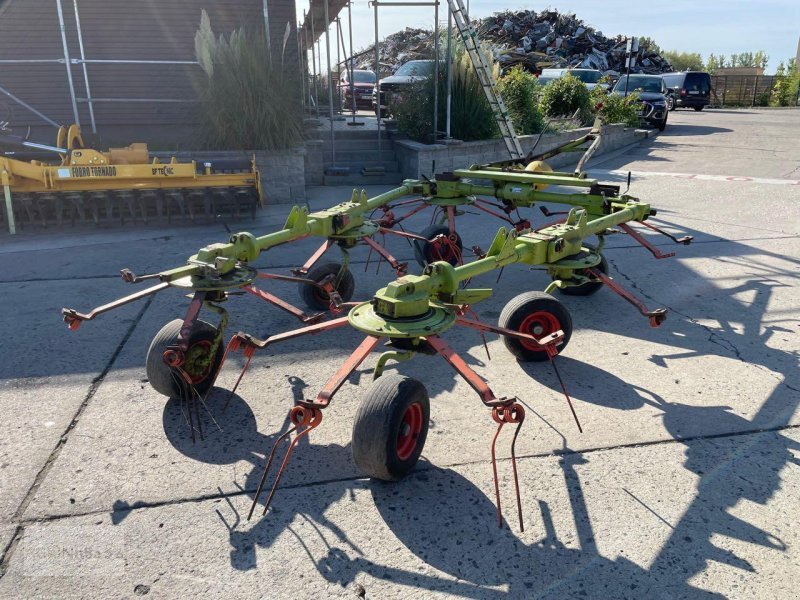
(652, 97)
(690, 89)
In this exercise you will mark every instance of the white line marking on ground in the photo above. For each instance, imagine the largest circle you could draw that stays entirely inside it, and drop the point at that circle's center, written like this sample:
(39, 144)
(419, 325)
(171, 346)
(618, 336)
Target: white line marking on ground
(728, 178)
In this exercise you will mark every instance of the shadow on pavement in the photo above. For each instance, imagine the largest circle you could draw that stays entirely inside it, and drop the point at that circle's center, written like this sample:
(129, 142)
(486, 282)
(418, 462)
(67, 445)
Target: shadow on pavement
(448, 523)
(684, 129)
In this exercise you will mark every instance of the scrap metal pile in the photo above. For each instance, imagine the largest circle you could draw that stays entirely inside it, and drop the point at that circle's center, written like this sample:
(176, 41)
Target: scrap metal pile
(552, 39)
(412, 314)
(535, 40)
(396, 49)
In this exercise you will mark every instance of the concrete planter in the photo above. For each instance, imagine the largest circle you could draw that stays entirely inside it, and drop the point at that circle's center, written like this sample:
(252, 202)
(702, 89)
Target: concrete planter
(282, 175)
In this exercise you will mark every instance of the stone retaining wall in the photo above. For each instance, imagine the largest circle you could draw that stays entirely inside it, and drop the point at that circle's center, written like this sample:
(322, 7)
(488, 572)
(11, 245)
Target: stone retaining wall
(285, 174)
(417, 159)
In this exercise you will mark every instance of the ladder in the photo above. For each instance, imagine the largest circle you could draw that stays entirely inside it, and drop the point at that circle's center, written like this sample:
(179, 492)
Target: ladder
(473, 46)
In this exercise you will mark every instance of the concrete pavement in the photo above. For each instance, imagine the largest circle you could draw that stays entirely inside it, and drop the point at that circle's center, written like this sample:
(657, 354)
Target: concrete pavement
(683, 484)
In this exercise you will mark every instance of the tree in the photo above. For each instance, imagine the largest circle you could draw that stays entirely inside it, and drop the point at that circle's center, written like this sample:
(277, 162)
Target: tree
(761, 59)
(714, 62)
(649, 44)
(685, 61)
(749, 59)
(787, 85)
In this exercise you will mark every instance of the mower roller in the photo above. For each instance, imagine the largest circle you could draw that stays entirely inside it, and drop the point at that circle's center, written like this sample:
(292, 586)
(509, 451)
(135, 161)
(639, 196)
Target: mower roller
(122, 183)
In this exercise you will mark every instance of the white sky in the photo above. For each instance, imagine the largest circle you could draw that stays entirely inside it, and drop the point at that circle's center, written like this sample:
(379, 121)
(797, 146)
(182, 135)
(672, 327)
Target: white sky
(718, 26)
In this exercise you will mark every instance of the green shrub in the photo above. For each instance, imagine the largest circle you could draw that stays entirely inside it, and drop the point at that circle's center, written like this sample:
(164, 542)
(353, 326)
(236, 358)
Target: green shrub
(520, 91)
(413, 111)
(471, 116)
(614, 107)
(787, 85)
(247, 99)
(565, 97)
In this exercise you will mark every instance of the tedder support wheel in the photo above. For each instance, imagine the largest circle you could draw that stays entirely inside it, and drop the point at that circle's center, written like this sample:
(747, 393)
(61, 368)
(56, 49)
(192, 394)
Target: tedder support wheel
(390, 427)
(537, 314)
(587, 289)
(429, 252)
(318, 299)
(199, 363)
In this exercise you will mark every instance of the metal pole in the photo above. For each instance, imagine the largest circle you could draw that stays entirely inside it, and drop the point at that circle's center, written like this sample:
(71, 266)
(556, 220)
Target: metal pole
(266, 31)
(352, 66)
(83, 65)
(628, 54)
(305, 49)
(319, 58)
(724, 89)
(314, 60)
(301, 65)
(435, 70)
(68, 64)
(338, 62)
(29, 107)
(378, 80)
(12, 227)
(755, 90)
(330, 79)
(449, 69)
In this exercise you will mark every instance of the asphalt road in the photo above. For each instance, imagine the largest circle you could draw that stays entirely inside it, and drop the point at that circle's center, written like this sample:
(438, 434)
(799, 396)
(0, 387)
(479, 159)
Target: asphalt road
(684, 484)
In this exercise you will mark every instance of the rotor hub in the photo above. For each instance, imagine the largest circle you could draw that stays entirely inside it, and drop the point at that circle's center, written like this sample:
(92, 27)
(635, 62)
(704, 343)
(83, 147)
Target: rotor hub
(238, 277)
(435, 320)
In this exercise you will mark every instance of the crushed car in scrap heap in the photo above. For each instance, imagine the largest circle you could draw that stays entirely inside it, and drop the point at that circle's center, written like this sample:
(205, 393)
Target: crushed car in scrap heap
(537, 41)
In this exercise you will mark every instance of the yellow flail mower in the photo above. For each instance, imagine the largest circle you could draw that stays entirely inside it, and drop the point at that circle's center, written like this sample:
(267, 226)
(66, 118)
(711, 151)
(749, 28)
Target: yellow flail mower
(122, 183)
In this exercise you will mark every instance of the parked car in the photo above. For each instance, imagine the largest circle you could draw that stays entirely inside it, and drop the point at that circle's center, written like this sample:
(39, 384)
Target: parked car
(392, 86)
(652, 95)
(688, 89)
(591, 77)
(363, 84)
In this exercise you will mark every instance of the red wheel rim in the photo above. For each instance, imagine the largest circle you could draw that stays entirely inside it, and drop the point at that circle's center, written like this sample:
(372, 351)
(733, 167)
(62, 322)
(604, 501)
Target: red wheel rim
(198, 361)
(410, 428)
(445, 249)
(538, 324)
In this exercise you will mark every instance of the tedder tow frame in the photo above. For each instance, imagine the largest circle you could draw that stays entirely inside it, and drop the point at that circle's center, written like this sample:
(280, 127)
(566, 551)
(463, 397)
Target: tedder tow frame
(185, 357)
(412, 313)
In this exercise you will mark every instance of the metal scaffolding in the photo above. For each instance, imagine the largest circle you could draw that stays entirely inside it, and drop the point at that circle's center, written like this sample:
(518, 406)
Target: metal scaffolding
(68, 61)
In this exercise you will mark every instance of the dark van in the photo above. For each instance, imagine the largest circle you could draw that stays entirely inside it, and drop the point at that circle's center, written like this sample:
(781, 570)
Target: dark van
(691, 89)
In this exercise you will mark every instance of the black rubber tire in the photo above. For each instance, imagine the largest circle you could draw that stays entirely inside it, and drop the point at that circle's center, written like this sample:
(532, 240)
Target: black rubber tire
(663, 125)
(519, 308)
(587, 289)
(161, 377)
(698, 108)
(671, 104)
(378, 425)
(317, 299)
(425, 252)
